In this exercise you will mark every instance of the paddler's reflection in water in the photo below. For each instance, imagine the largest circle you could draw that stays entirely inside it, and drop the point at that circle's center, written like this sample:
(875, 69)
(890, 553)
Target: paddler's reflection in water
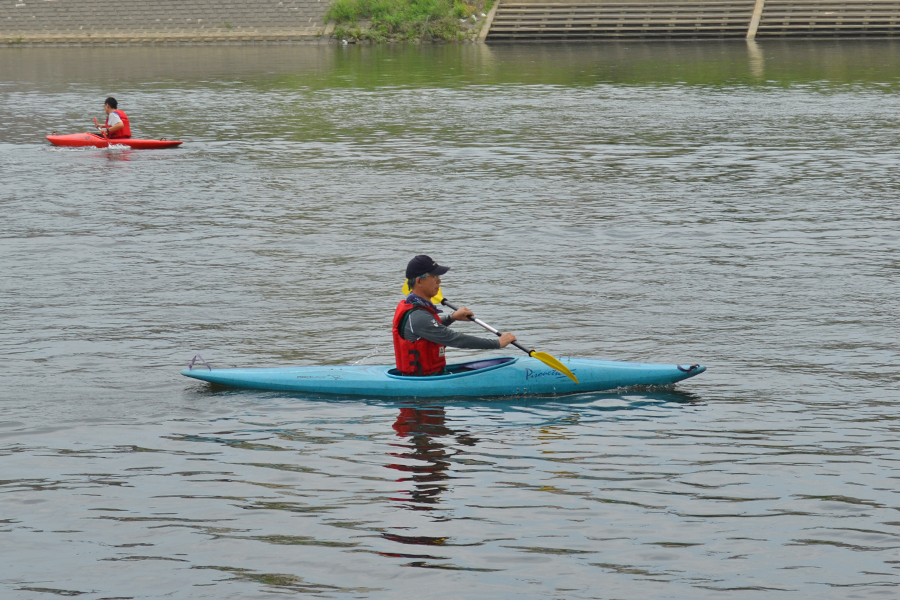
(428, 458)
(118, 154)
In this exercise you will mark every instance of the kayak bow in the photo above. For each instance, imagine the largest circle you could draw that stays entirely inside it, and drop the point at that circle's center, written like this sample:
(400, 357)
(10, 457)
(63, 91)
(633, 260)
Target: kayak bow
(506, 376)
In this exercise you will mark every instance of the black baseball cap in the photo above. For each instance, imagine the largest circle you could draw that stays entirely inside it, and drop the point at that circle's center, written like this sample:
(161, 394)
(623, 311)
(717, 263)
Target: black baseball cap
(423, 264)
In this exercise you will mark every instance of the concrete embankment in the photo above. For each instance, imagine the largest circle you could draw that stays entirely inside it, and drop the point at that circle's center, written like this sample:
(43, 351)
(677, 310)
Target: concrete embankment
(698, 19)
(271, 21)
(160, 21)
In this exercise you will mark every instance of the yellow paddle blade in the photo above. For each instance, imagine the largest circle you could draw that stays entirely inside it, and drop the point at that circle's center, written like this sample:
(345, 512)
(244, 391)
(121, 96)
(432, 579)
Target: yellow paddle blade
(436, 300)
(554, 364)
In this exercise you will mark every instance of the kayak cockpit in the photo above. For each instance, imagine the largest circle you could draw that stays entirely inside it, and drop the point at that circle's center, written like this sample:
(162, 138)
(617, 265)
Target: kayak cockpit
(461, 369)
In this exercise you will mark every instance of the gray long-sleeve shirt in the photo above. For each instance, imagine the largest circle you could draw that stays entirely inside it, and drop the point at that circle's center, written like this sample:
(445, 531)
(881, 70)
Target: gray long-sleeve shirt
(421, 324)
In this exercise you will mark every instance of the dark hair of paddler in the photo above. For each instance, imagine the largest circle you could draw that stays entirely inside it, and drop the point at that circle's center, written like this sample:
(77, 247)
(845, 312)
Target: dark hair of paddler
(112, 103)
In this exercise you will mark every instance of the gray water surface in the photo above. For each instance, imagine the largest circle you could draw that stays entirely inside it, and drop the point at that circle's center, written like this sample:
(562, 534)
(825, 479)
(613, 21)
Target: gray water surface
(726, 204)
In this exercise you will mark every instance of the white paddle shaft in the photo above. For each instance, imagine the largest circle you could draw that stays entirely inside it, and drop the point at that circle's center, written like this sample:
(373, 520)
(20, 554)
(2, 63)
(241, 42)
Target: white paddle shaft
(489, 328)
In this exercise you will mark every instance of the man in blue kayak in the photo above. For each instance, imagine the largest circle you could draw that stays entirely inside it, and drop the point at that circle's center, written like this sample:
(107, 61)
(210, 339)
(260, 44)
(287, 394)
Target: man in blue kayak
(421, 332)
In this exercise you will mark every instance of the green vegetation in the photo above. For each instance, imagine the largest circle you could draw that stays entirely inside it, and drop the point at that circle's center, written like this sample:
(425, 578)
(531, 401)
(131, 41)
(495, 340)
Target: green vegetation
(407, 20)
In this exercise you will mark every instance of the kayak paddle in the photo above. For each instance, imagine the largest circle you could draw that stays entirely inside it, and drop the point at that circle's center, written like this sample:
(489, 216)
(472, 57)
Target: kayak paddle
(97, 125)
(545, 358)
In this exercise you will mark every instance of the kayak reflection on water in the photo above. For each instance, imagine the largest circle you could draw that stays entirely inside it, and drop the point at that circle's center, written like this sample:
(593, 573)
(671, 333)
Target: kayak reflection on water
(422, 427)
(118, 153)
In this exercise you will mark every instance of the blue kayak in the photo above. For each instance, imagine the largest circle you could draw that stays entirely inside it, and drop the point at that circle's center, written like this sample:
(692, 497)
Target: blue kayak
(505, 376)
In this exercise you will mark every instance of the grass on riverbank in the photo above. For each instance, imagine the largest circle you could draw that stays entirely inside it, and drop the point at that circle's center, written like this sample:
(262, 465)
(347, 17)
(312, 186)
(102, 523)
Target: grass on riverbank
(407, 20)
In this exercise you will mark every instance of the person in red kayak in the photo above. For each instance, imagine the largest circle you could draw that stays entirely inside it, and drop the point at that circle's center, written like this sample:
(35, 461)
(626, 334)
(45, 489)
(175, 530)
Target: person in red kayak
(117, 125)
(421, 332)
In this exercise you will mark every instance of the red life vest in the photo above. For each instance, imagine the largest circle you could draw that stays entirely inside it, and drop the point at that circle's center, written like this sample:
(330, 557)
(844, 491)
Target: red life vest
(125, 132)
(420, 357)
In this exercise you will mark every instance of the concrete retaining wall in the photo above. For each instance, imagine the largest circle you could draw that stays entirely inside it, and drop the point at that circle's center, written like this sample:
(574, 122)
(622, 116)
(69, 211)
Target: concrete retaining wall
(86, 22)
(535, 20)
(160, 21)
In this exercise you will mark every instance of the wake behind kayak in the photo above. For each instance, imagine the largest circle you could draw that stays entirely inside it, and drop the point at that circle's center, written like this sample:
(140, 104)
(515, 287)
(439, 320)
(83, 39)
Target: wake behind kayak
(507, 376)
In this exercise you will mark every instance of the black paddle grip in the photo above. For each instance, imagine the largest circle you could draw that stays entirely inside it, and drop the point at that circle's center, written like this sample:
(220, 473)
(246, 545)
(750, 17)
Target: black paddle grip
(447, 304)
(523, 348)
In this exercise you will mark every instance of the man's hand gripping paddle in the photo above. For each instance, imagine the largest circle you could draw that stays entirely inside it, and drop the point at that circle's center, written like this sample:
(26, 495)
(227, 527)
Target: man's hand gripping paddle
(545, 358)
(97, 125)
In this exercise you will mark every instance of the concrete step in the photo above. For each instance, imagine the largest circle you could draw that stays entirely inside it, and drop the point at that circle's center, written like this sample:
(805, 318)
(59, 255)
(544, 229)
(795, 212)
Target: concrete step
(514, 21)
(711, 19)
(830, 18)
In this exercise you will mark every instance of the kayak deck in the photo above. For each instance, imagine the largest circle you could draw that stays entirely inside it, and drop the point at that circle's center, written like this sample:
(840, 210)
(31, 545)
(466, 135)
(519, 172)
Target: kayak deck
(83, 140)
(506, 376)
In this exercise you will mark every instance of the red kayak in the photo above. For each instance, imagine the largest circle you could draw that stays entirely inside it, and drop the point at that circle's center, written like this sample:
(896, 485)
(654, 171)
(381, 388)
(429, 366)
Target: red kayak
(80, 140)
